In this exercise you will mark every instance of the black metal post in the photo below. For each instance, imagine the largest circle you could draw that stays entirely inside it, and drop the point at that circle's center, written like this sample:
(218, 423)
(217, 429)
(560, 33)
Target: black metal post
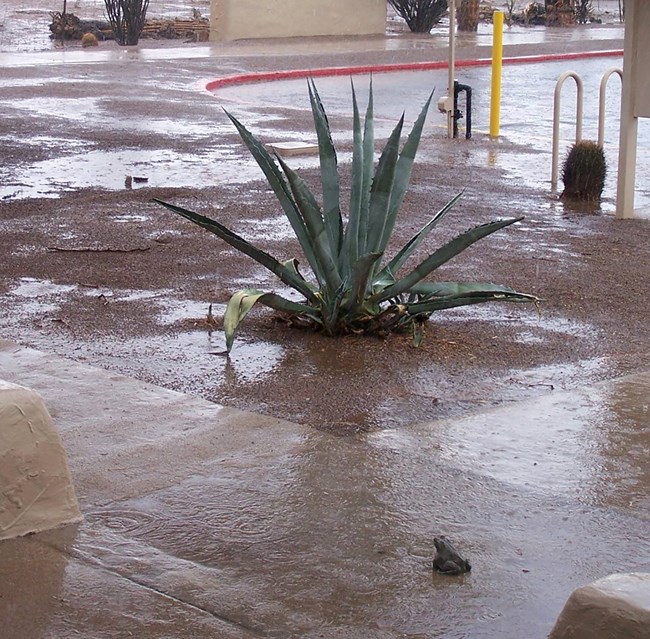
(458, 114)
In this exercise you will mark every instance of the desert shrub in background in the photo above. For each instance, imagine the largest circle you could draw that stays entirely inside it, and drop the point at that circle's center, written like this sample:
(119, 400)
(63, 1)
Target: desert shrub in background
(467, 15)
(127, 19)
(420, 15)
(89, 40)
(583, 10)
(584, 171)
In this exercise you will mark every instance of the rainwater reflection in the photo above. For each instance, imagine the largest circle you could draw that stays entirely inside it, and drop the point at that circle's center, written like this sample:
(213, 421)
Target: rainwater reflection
(314, 533)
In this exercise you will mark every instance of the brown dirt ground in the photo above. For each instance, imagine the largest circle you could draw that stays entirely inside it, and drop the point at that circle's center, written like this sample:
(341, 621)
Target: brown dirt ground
(590, 269)
(138, 291)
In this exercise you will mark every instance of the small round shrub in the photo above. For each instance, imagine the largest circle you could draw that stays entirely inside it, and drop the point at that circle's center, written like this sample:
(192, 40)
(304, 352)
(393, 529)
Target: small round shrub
(89, 40)
(584, 171)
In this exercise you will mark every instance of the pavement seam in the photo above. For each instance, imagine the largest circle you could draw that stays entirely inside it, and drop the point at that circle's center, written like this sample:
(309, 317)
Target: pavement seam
(89, 560)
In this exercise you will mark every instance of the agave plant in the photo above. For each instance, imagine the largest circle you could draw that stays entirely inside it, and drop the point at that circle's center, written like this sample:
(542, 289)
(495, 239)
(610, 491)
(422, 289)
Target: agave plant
(355, 288)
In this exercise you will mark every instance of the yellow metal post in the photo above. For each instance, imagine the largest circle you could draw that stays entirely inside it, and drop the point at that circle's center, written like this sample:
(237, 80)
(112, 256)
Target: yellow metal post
(497, 63)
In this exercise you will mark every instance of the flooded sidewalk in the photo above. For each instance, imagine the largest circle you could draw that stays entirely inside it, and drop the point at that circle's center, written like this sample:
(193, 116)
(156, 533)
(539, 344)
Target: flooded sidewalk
(206, 521)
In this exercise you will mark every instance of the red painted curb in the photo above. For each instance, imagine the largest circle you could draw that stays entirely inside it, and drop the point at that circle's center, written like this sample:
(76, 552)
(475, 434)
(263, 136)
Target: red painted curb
(296, 74)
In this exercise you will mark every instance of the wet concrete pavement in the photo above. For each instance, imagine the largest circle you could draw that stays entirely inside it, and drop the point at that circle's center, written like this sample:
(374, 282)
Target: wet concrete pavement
(204, 521)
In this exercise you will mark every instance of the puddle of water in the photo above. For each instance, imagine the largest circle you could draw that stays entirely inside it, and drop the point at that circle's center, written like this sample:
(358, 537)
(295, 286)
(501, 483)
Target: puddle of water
(126, 218)
(76, 109)
(30, 287)
(47, 142)
(274, 229)
(537, 444)
(527, 319)
(109, 113)
(172, 311)
(160, 358)
(33, 298)
(108, 170)
(554, 376)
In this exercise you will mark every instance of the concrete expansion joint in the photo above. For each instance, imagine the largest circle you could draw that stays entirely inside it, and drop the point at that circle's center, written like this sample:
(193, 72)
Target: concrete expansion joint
(89, 560)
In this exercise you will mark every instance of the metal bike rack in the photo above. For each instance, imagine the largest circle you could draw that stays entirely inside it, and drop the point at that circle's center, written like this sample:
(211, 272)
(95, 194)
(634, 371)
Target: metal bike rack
(601, 104)
(579, 102)
(556, 119)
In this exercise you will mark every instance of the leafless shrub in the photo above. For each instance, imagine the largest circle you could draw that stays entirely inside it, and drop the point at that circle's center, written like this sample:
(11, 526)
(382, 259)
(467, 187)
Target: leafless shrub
(127, 19)
(583, 11)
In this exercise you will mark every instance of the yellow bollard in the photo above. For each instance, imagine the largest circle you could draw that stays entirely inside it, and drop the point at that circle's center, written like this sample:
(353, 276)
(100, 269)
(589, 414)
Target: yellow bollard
(497, 63)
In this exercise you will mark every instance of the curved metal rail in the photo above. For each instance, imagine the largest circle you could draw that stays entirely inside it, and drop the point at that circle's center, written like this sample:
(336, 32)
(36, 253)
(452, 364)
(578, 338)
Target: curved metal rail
(556, 119)
(601, 104)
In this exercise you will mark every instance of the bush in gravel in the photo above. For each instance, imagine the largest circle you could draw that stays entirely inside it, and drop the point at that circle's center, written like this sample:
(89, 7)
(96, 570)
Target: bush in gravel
(584, 171)
(354, 288)
(127, 19)
(420, 15)
(583, 9)
(89, 40)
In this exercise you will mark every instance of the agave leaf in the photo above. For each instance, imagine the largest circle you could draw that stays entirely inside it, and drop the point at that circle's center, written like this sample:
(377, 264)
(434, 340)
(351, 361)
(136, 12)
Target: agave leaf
(328, 171)
(442, 255)
(418, 333)
(427, 290)
(243, 301)
(289, 276)
(328, 273)
(407, 250)
(403, 174)
(366, 172)
(351, 246)
(292, 266)
(465, 299)
(280, 188)
(361, 272)
(330, 308)
(382, 186)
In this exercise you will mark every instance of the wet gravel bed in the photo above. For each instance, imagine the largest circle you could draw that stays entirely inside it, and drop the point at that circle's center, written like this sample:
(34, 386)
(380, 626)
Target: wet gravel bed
(113, 279)
(105, 276)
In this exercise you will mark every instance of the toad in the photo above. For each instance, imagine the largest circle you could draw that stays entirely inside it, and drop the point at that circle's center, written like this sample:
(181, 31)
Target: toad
(448, 559)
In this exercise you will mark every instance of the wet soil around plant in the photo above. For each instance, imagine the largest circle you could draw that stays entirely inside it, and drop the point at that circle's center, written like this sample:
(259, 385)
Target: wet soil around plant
(112, 279)
(108, 277)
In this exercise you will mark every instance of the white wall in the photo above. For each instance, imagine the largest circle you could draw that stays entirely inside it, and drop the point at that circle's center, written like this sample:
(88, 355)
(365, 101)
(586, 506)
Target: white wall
(243, 19)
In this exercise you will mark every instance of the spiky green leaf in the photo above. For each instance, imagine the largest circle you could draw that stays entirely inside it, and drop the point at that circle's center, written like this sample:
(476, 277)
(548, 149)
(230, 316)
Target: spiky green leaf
(366, 172)
(426, 290)
(242, 302)
(403, 174)
(465, 299)
(380, 192)
(325, 254)
(407, 250)
(351, 240)
(279, 186)
(360, 284)
(441, 256)
(289, 276)
(328, 171)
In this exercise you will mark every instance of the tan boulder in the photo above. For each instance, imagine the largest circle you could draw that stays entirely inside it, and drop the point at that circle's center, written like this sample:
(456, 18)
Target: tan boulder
(36, 491)
(615, 607)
